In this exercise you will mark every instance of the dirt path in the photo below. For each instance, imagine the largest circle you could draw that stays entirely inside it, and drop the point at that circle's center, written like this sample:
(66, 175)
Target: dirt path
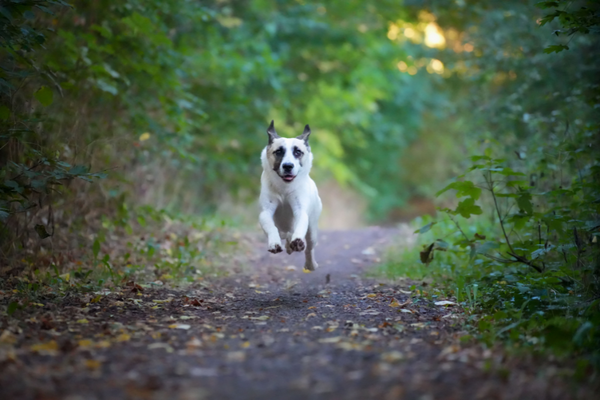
(273, 332)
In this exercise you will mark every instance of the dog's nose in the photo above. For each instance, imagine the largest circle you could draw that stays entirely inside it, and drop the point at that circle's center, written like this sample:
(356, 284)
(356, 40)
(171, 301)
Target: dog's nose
(287, 167)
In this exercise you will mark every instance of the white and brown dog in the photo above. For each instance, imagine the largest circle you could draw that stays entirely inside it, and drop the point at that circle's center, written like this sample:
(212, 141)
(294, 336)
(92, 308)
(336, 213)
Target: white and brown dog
(289, 199)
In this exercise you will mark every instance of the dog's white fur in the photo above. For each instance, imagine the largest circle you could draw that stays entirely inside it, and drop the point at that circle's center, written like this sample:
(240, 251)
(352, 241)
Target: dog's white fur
(290, 207)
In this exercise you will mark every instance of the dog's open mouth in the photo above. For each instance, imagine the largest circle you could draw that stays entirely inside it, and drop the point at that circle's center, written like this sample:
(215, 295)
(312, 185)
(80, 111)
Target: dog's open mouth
(288, 177)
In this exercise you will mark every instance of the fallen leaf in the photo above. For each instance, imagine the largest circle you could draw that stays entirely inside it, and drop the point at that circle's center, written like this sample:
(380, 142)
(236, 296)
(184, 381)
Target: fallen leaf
(392, 356)
(50, 348)
(193, 343)
(311, 307)
(103, 344)
(368, 251)
(444, 303)
(85, 343)
(93, 364)
(160, 345)
(371, 295)
(334, 339)
(261, 318)
(405, 310)
(180, 326)
(123, 337)
(82, 321)
(7, 337)
(311, 315)
(369, 312)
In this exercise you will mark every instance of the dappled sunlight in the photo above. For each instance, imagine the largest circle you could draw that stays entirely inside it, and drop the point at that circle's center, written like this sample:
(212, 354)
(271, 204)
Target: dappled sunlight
(434, 36)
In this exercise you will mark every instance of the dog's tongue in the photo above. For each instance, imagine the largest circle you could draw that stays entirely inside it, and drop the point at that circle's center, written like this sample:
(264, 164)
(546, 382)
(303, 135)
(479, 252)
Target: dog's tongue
(288, 178)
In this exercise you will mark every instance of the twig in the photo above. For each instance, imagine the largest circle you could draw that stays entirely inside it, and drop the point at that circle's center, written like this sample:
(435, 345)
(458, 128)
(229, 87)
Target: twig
(491, 189)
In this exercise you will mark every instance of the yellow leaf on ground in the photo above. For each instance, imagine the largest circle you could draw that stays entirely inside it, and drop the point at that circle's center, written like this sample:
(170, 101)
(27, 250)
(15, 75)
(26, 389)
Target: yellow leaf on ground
(103, 344)
(85, 343)
(123, 337)
(371, 295)
(180, 326)
(394, 303)
(82, 321)
(7, 337)
(92, 364)
(144, 136)
(245, 345)
(50, 347)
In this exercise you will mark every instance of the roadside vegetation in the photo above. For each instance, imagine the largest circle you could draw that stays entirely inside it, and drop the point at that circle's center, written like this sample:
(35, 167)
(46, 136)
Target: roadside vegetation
(519, 247)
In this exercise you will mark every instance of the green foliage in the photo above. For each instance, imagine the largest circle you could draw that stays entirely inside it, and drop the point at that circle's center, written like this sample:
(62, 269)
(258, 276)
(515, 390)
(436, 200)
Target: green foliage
(531, 271)
(573, 17)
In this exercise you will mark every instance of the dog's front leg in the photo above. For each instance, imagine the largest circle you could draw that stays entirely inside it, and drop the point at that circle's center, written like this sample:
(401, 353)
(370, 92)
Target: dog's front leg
(301, 220)
(268, 225)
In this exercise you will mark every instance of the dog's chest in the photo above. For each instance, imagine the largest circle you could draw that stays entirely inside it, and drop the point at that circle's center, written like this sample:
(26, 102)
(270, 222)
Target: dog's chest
(284, 217)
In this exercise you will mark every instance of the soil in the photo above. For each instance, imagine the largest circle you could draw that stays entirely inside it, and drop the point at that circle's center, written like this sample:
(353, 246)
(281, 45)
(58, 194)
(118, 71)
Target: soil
(269, 332)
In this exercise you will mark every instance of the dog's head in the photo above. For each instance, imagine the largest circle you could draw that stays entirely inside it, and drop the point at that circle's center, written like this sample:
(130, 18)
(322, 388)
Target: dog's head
(288, 157)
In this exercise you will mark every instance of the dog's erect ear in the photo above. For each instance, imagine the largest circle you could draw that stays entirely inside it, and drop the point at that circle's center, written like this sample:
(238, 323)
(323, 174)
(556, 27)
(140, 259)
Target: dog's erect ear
(305, 134)
(271, 131)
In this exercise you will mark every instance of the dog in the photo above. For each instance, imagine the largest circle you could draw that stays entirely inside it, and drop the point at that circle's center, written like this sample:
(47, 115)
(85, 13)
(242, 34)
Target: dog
(289, 199)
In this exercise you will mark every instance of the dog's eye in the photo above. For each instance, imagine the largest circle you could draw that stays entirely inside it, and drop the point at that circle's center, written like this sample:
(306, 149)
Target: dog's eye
(297, 153)
(278, 152)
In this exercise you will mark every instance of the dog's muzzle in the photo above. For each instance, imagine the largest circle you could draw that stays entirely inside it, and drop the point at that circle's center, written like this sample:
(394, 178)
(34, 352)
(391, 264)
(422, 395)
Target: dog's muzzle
(287, 172)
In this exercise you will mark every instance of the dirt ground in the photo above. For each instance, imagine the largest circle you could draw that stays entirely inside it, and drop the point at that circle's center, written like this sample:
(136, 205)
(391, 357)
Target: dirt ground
(272, 332)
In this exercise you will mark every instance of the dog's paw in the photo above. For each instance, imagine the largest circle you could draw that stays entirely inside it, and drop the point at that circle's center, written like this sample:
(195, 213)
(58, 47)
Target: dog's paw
(310, 267)
(275, 248)
(297, 245)
(288, 249)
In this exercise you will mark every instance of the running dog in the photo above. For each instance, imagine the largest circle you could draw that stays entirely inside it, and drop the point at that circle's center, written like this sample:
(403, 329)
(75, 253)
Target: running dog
(289, 199)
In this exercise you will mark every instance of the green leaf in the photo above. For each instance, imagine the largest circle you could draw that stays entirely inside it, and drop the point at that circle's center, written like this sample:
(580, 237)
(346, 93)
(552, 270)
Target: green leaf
(426, 228)
(464, 188)
(546, 4)
(44, 95)
(4, 112)
(487, 246)
(557, 48)
(524, 202)
(12, 307)
(96, 248)
(441, 245)
(6, 13)
(506, 171)
(41, 231)
(467, 207)
(426, 256)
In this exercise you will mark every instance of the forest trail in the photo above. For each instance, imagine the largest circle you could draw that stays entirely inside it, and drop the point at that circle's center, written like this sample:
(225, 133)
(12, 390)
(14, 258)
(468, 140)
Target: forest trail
(270, 332)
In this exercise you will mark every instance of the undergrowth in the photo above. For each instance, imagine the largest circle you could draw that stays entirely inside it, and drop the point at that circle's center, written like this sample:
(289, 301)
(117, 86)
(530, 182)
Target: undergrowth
(137, 248)
(520, 255)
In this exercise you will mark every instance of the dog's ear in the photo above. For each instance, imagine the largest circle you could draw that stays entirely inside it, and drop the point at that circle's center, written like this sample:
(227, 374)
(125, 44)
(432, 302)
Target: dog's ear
(305, 134)
(271, 131)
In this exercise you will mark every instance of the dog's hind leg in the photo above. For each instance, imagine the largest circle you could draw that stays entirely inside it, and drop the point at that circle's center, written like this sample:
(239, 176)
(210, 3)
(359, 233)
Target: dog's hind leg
(309, 253)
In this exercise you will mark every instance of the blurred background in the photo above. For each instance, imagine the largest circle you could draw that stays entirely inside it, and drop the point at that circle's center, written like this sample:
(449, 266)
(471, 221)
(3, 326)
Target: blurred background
(165, 103)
